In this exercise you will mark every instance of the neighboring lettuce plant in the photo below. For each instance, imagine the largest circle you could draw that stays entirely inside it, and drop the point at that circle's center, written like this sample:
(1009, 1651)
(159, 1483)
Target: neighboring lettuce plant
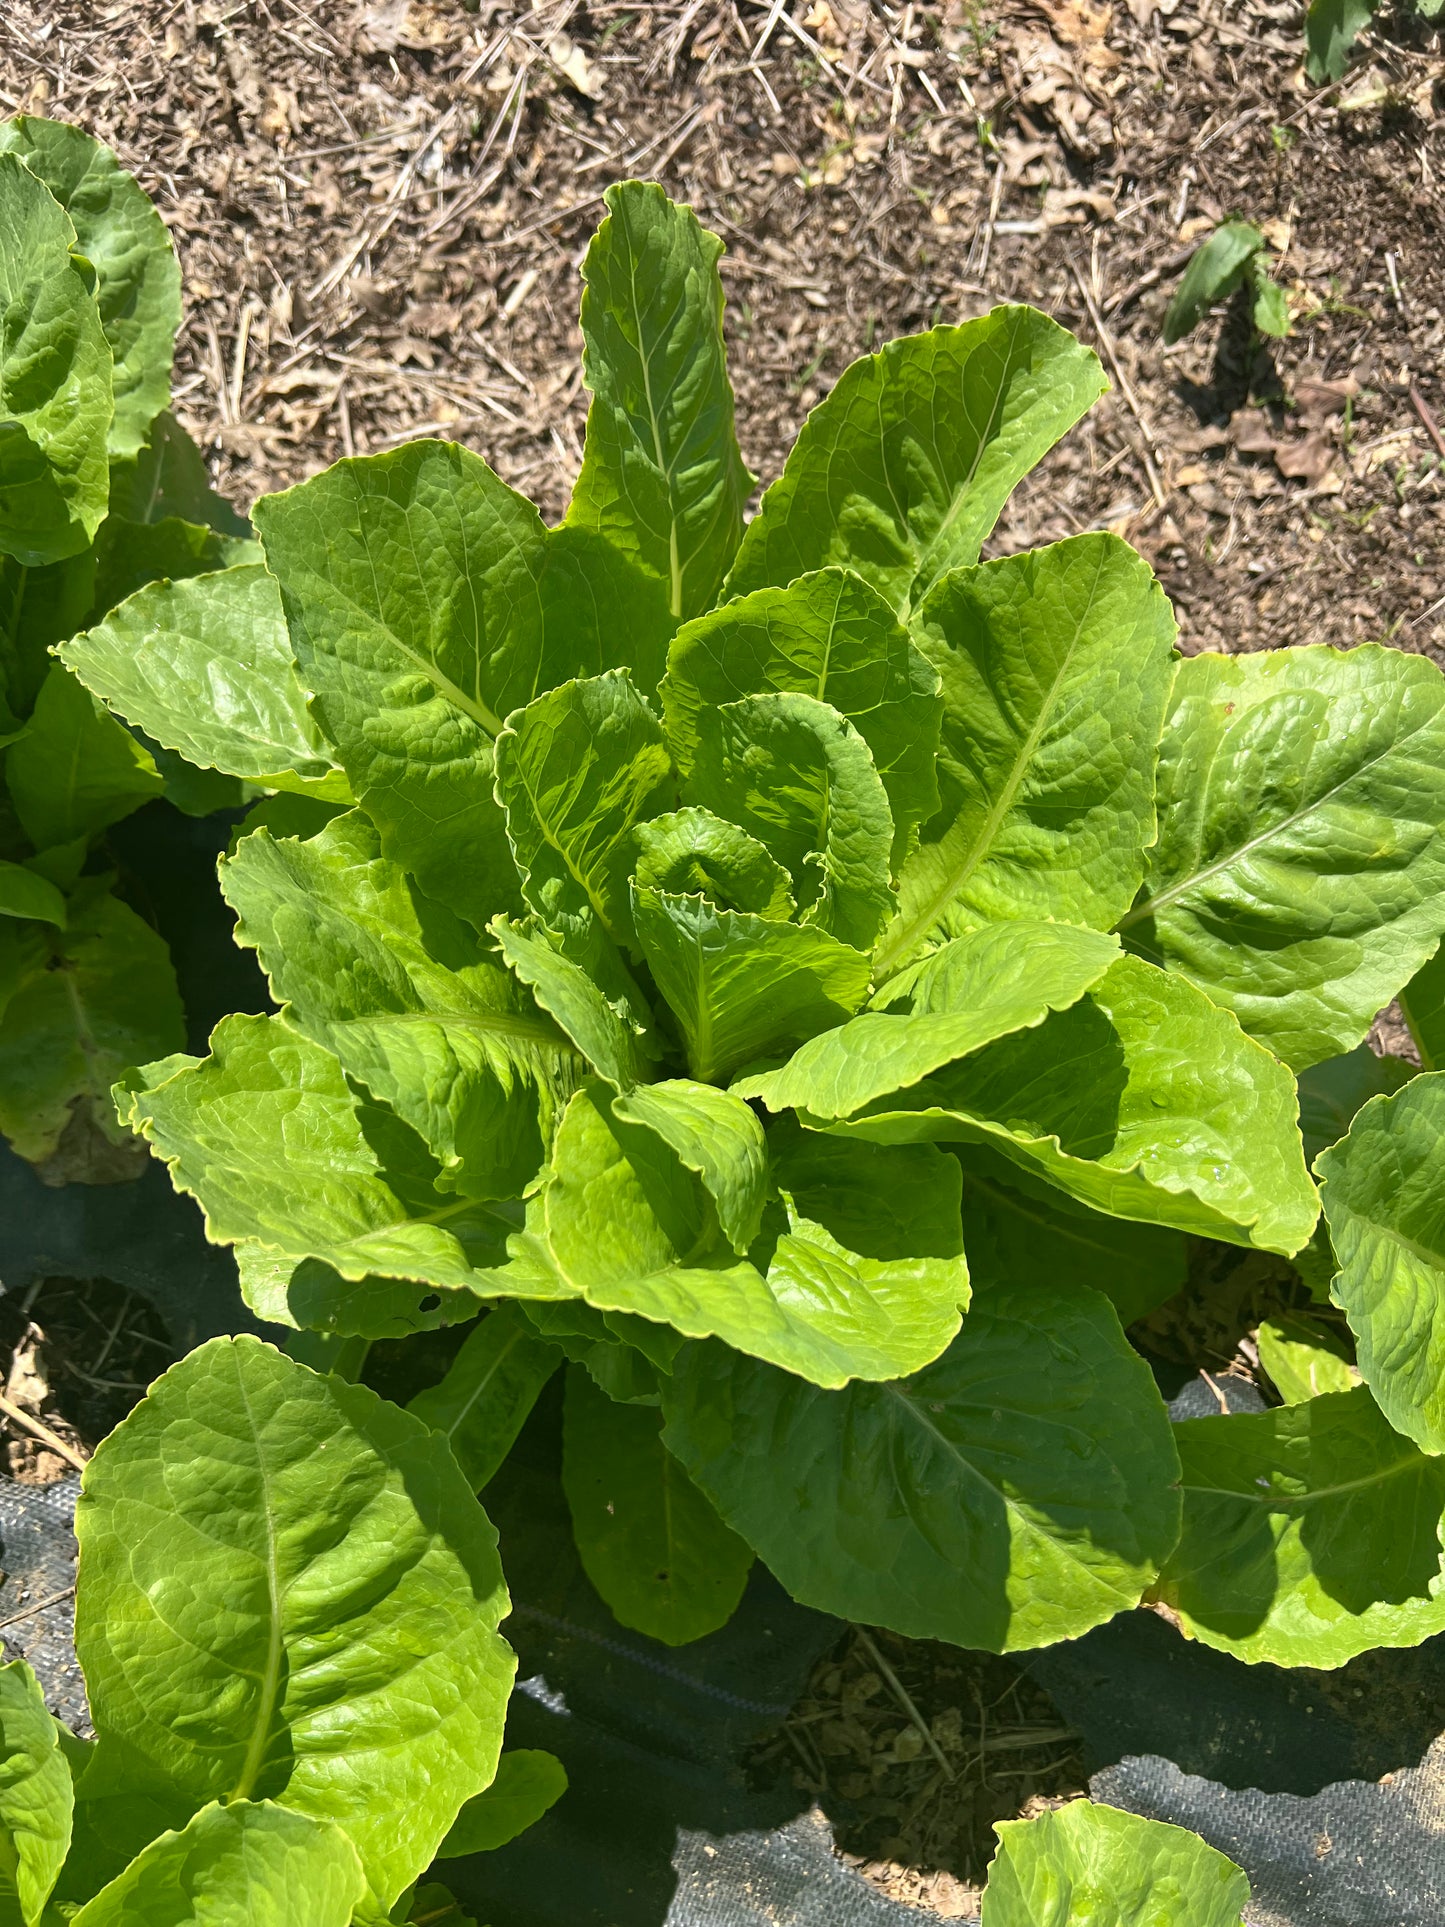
(1235, 254)
(287, 1623)
(99, 492)
(1093, 1866)
(823, 985)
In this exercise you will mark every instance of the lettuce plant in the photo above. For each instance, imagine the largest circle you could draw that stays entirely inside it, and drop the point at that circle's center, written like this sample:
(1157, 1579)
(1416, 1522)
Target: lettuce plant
(819, 983)
(99, 492)
(1235, 254)
(1094, 1866)
(287, 1620)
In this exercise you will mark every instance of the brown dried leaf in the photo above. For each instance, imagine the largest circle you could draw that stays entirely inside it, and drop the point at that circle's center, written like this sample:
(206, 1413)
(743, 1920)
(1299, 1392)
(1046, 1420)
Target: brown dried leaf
(1078, 24)
(1252, 433)
(26, 1384)
(1316, 400)
(1304, 461)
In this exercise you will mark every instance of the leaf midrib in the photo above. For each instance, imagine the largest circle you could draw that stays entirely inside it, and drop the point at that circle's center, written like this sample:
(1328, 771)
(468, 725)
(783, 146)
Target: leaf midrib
(674, 601)
(472, 1399)
(271, 1672)
(1028, 1525)
(923, 921)
(917, 591)
(1167, 898)
(485, 718)
(551, 837)
(1284, 1501)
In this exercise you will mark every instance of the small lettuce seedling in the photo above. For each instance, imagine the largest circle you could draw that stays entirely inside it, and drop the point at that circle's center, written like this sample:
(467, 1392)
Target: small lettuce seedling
(1233, 255)
(1333, 26)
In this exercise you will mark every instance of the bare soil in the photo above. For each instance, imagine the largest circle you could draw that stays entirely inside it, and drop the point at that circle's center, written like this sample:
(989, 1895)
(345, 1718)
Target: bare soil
(381, 207)
(913, 1749)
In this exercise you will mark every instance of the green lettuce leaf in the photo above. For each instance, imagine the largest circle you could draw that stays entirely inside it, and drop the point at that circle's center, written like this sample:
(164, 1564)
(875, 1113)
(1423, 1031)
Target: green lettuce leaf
(1095, 1866)
(716, 1135)
(1304, 1357)
(528, 1782)
(168, 477)
(662, 478)
(1331, 29)
(407, 999)
(277, 1149)
(1141, 1100)
(743, 987)
(490, 1387)
(288, 1592)
(75, 771)
(830, 636)
(1004, 978)
(578, 977)
(24, 894)
(623, 1223)
(873, 1200)
(1311, 1534)
(649, 1541)
(138, 284)
(1216, 269)
(603, 1341)
(800, 779)
(411, 587)
(1385, 1207)
(307, 1295)
(1056, 667)
(1020, 1231)
(691, 852)
(1299, 876)
(80, 1006)
(1019, 1490)
(36, 1793)
(249, 1863)
(285, 814)
(577, 770)
(1330, 1093)
(901, 472)
(129, 555)
(43, 606)
(433, 1905)
(204, 667)
(55, 379)
(604, 608)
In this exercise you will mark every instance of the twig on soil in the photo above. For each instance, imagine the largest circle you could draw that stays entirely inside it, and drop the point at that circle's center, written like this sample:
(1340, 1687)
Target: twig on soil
(98, 1363)
(38, 1606)
(40, 1430)
(1394, 281)
(546, 220)
(1106, 342)
(1222, 1400)
(1432, 427)
(812, 1766)
(980, 268)
(900, 1692)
